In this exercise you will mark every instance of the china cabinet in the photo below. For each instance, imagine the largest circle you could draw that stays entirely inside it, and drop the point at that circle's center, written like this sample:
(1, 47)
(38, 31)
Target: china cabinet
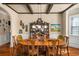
(39, 27)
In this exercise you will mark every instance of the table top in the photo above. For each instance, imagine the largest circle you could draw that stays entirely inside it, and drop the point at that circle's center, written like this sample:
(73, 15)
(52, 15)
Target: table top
(49, 42)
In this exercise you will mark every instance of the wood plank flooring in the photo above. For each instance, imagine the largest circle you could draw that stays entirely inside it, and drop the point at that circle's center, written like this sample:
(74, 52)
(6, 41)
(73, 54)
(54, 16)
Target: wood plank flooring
(5, 51)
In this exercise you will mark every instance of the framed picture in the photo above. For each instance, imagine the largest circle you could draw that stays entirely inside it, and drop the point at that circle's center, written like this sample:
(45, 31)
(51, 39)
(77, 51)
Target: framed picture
(55, 27)
(0, 21)
(3, 20)
(21, 23)
(9, 23)
(26, 28)
(4, 29)
(20, 31)
(23, 26)
(6, 23)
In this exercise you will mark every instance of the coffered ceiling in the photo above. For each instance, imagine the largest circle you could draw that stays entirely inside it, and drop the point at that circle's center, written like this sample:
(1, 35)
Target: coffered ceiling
(39, 8)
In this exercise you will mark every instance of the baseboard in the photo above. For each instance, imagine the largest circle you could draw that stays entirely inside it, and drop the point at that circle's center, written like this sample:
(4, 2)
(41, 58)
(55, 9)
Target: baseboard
(4, 44)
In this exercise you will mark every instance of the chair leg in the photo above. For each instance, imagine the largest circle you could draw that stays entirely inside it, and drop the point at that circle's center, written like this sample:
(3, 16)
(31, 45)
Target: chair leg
(37, 50)
(67, 50)
(57, 50)
(60, 51)
(46, 51)
(14, 51)
(11, 51)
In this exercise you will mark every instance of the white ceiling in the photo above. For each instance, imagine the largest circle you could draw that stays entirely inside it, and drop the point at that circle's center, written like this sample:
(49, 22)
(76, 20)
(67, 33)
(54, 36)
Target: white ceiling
(19, 7)
(59, 7)
(39, 7)
(22, 8)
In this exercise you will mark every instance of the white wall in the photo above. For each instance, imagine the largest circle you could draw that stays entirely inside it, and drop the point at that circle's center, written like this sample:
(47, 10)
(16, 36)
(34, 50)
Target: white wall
(50, 18)
(14, 20)
(4, 27)
(72, 11)
(65, 23)
(73, 40)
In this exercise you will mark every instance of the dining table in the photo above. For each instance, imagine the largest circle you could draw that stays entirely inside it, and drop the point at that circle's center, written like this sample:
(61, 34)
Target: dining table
(41, 43)
(44, 43)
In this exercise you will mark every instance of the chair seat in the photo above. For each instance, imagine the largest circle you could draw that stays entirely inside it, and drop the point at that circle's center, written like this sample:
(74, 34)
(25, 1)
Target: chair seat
(33, 51)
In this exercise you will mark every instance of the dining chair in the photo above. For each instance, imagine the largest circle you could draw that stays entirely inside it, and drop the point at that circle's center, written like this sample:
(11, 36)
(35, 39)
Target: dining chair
(12, 48)
(52, 49)
(19, 49)
(15, 46)
(43, 48)
(64, 47)
(46, 44)
(33, 50)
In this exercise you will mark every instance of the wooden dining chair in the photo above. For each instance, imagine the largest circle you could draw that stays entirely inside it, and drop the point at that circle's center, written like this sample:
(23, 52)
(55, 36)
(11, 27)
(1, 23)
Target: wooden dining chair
(64, 48)
(18, 49)
(52, 50)
(46, 45)
(33, 50)
(15, 47)
(43, 49)
(12, 48)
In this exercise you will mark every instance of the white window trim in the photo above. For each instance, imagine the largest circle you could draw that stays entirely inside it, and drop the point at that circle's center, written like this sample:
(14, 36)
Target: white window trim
(76, 15)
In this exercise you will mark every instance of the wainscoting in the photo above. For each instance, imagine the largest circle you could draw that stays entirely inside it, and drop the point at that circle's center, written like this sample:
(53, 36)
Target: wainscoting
(74, 41)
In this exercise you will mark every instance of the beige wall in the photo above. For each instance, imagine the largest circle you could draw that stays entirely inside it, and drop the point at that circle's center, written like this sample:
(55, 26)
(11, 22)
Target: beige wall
(4, 27)
(65, 23)
(14, 20)
(72, 11)
(50, 18)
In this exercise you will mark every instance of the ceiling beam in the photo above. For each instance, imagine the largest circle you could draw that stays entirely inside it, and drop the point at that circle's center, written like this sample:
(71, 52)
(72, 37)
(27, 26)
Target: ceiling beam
(40, 13)
(49, 7)
(39, 3)
(11, 8)
(29, 8)
(68, 8)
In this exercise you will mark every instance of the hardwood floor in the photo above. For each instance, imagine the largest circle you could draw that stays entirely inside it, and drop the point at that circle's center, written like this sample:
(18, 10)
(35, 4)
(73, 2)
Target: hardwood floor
(5, 51)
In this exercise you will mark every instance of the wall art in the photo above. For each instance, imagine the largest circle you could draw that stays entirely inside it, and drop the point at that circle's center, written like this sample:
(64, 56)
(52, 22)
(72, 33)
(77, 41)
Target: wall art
(20, 31)
(4, 29)
(0, 21)
(21, 23)
(23, 26)
(9, 23)
(6, 22)
(55, 27)
(26, 28)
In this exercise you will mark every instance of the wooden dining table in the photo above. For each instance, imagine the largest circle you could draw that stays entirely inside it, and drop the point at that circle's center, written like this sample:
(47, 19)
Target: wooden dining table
(41, 43)
(38, 43)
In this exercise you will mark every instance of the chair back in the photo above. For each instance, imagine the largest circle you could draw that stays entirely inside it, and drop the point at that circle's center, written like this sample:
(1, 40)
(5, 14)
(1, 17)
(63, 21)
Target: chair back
(19, 38)
(14, 41)
(66, 40)
(54, 42)
(61, 37)
(62, 40)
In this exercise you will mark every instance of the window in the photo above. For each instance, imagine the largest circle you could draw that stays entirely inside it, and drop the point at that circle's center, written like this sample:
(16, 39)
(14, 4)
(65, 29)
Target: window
(74, 25)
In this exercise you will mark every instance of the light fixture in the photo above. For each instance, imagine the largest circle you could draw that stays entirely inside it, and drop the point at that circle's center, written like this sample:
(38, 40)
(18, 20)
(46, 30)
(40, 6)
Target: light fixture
(33, 26)
(39, 26)
(45, 26)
